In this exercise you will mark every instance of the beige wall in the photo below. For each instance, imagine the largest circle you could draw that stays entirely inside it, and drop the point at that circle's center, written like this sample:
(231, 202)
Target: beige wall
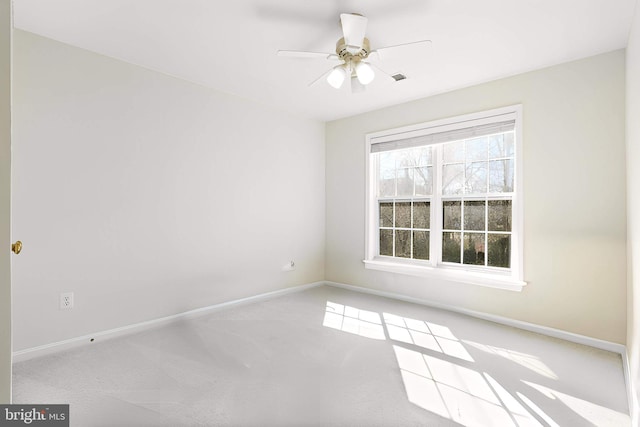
(148, 196)
(5, 197)
(633, 215)
(574, 197)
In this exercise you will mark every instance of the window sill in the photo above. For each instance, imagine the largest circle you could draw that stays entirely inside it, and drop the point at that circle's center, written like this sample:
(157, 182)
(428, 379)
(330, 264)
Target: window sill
(454, 275)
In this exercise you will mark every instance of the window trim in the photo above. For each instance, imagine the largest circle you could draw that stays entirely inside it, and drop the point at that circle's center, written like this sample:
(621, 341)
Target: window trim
(483, 276)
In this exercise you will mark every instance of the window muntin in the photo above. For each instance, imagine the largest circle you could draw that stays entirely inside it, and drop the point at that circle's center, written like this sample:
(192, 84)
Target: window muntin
(477, 232)
(471, 186)
(477, 192)
(479, 165)
(404, 228)
(404, 186)
(405, 173)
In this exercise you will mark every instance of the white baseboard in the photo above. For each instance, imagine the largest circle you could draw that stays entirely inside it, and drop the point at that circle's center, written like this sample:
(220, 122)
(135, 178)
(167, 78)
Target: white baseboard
(55, 347)
(137, 327)
(22, 355)
(634, 409)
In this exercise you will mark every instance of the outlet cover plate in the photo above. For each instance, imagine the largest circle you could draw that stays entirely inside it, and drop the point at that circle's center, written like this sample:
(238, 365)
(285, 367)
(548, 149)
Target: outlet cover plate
(66, 300)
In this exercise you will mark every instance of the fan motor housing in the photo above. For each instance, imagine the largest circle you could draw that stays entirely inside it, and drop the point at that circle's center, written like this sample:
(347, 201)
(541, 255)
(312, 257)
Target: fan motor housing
(347, 52)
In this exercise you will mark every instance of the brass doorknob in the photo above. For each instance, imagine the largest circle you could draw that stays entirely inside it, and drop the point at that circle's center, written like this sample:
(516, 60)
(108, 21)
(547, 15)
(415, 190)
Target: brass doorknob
(16, 247)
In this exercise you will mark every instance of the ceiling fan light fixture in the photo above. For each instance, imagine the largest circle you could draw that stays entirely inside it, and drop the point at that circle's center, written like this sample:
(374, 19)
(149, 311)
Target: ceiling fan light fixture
(336, 76)
(365, 73)
(353, 49)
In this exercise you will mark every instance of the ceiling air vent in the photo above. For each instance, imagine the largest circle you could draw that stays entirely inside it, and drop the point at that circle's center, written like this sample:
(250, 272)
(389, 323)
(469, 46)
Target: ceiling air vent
(398, 77)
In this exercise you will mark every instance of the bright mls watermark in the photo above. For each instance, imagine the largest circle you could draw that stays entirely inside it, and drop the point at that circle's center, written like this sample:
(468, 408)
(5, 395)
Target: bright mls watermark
(34, 415)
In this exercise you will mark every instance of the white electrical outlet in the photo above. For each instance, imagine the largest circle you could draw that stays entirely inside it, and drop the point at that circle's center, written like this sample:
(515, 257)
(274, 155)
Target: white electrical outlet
(66, 301)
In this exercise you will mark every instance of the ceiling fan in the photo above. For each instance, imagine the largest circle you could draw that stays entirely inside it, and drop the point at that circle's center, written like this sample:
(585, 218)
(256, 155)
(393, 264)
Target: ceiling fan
(353, 51)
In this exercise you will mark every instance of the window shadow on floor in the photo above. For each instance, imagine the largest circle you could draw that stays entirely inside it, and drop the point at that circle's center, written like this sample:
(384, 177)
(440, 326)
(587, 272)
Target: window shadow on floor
(440, 374)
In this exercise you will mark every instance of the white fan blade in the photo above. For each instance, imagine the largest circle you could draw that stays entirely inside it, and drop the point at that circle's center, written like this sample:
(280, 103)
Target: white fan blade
(307, 55)
(353, 29)
(323, 76)
(420, 44)
(384, 73)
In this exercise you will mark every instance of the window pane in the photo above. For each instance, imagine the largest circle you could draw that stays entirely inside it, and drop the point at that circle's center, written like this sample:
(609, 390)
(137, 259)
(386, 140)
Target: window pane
(387, 188)
(452, 179)
(476, 149)
(421, 215)
(421, 244)
(509, 144)
(424, 180)
(499, 250)
(451, 215)
(403, 243)
(474, 248)
(412, 157)
(451, 247)
(476, 178)
(405, 182)
(496, 146)
(499, 215)
(425, 154)
(501, 146)
(403, 215)
(386, 214)
(387, 174)
(453, 152)
(501, 176)
(474, 215)
(386, 242)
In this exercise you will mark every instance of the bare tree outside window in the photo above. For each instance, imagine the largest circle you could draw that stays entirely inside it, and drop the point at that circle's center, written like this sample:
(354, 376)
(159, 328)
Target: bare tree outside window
(443, 199)
(477, 186)
(405, 182)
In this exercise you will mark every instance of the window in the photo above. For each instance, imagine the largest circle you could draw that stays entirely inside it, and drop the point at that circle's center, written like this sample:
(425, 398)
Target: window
(444, 199)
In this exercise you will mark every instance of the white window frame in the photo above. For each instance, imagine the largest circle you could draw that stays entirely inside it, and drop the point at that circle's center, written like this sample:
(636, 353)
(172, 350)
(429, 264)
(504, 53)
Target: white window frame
(510, 279)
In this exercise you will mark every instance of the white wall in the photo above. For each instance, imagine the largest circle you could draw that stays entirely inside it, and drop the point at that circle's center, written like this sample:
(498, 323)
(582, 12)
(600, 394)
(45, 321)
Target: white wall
(147, 195)
(5, 197)
(574, 183)
(633, 213)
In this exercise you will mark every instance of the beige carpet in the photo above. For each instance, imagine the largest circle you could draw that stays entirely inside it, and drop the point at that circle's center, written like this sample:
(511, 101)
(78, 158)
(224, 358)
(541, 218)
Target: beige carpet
(330, 357)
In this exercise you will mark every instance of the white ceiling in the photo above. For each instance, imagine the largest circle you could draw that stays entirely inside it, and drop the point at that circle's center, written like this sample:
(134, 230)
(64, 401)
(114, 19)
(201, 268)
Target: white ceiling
(231, 46)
